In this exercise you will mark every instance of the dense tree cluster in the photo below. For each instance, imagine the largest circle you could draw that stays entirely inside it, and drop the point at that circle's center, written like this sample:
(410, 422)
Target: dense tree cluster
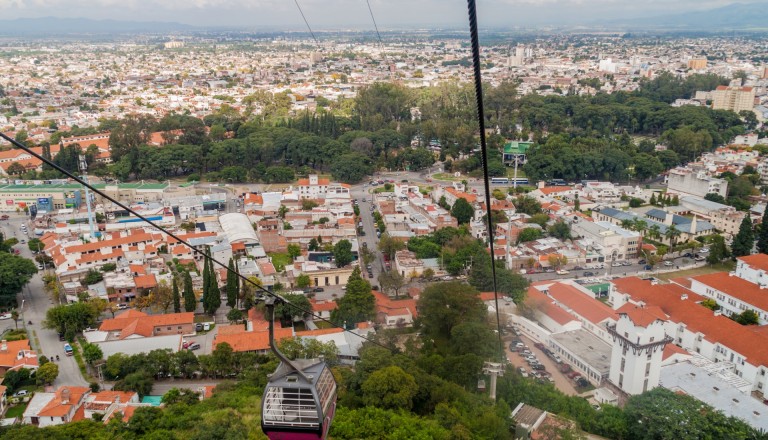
(15, 272)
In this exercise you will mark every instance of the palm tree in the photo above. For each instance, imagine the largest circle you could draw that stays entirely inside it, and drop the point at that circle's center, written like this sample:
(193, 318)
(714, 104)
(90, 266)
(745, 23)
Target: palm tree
(627, 223)
(671, 234)
(654, 231)
(641, 226)
(15, 317)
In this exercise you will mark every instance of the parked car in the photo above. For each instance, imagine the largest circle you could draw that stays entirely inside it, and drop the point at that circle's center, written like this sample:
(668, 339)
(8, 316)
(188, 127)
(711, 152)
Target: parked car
(668, 263)
(648, 267)
(194, 347)
(199, 327)
(206, 326)
(318, 289)
(562, 272)
(20, 393)
(5, 316)
(704, 250)
(186, 344)
(540, 346)
(122, 306)
(68, 350)
(688, 255)
(641, 261)
(538, 367)
(588, 274)
(616, 264)
(523, 372)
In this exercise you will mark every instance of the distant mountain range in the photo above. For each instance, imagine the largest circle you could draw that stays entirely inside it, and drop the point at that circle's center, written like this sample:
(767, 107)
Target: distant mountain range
(85, 26)
(736, 16)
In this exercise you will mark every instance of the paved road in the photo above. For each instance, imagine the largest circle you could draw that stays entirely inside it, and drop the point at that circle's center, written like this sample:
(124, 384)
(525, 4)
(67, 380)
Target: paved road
(33, 305)
(360, 192)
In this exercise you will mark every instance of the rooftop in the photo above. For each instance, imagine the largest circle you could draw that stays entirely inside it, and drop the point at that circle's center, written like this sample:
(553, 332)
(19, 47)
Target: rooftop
(588, 347)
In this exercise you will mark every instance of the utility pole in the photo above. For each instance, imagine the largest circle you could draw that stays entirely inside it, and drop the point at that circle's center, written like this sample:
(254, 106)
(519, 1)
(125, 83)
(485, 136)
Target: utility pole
(494, 369)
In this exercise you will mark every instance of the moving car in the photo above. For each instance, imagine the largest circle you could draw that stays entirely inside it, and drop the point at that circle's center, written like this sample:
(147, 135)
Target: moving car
(668, 263)
(562, 272)
(68, 350)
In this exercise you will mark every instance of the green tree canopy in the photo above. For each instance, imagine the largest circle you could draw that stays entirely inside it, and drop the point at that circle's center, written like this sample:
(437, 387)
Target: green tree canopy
(462, 211)
(342, 253)
(357, 304)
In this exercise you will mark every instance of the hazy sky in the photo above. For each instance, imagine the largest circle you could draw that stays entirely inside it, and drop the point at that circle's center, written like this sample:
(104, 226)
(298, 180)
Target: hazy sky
(353, 13)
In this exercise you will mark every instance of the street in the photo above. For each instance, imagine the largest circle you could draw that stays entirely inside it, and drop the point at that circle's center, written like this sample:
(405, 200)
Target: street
(33, 304)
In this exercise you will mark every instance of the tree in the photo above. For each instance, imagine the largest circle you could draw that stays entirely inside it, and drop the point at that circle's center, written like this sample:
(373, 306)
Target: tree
(234, 315)
(212, 302)
(190, 301)
(313, 245)
(391, 281)
(357, 304)
(140, 382)
(762, 235)
(560, 229)
(744, 240)
(462, 211)
(162, 296)
(72, 318)
(661, 413)
(92, 353)
(303, 281)
(92, 277)
(390, 388)
(47, 373)
(35, 245)
(508, 282)
(389, 245)
(233, 284)
(529, 234)
(342, 253)
(15, 272)
(15, 317)
(540, 219)
(747, 317)
(527, 205)
(295, 306)
(710, 303)
(671, 234)
(176, 296)
(16, 169)
(294, 251)
(445, 305)
(351, 168)
(718, 251)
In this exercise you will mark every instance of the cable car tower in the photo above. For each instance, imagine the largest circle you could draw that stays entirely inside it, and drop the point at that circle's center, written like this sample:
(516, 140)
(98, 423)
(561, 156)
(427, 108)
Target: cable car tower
(300, 398)
(84, 170)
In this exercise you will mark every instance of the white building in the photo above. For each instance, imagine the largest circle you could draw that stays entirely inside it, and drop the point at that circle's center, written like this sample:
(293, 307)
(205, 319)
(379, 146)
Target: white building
(638, 346)
(685, 181)
(613, 241)
(743, 289)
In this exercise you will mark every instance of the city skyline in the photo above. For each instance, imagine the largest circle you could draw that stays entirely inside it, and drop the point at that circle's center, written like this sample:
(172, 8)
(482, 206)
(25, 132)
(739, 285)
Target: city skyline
(347, 14)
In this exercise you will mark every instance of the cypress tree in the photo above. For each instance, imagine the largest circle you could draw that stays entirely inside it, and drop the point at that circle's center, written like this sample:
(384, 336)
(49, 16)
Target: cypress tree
(762, 236)
(744, 240)
(653, 199)
(176, 297)
(190, 302)
(206, 284)
(233, 284)
(214, 294)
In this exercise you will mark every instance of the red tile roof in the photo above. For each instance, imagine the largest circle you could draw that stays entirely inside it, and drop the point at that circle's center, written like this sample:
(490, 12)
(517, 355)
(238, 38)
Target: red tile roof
(642, 316)
(737, 288)
(252, 341)
(697, 318)
(538, 301)
(585, 306)
(133, 322)
(758, 261)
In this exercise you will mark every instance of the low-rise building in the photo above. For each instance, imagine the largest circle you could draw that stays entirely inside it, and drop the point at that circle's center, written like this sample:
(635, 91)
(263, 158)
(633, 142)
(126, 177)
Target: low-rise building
(686, 181)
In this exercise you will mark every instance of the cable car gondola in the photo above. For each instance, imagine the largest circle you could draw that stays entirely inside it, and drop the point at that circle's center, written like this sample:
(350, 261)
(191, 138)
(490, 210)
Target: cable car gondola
(300, 398)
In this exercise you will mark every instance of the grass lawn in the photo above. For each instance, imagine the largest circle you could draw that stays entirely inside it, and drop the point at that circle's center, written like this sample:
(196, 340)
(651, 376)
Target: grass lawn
(16, 411)
(722, 267)
(280, 260)
(520, 172)
(448, 176)
(299, 326)
(382, 190)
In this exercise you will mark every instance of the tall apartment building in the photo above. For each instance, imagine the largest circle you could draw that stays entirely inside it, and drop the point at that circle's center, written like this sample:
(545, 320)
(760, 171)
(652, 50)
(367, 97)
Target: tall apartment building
(697, 63)
(733, 98)
(685, 181)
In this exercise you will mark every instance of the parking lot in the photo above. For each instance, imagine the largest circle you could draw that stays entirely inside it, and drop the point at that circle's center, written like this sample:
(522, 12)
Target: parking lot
(561, 382)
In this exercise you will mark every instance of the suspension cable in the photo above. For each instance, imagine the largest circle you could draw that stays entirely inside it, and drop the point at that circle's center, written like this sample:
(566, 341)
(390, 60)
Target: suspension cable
(472, 10)
(174, 236)
(306, 22)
